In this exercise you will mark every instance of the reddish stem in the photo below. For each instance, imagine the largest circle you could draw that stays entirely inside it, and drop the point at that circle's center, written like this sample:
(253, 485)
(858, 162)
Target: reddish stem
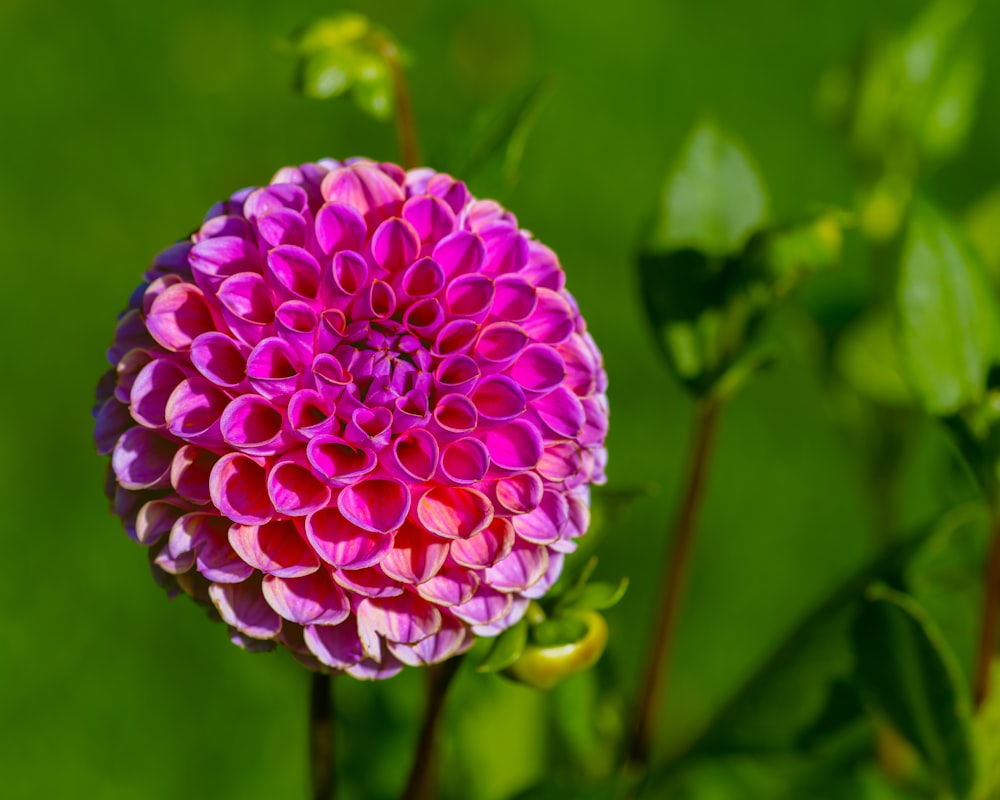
(321, 737)
(675, 571)
(988, 631)
(420, 784)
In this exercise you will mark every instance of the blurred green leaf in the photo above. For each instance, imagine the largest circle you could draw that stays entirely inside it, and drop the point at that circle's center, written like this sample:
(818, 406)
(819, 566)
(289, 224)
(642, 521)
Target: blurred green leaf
(705, 310)
(987, 728)
(869, 360)
(787, 701)
(496, 142)
(599, 596)
(908, 674)
(947, 314)
(982, 226)
(557, 631)
(608, 789)
(346, 53)
(507, 648)
(714, 197)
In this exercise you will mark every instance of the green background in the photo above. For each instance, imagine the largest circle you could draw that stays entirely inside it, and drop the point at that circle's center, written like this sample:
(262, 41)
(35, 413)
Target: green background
(122, 122)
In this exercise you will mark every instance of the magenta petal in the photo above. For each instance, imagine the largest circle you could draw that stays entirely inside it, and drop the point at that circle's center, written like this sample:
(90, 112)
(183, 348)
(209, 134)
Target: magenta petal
(519, 494)
(560, 461)
(279, 195)
(178, 315)
(193, 411)
(273, 369)
(155, 519)
(486, 607)
(538, 369)
(424, 318)
(465, 461)
(276, 548)
(294, 490)
(239, 489)
(516, 446)
(470, 296)
(248, 306)
(242, 605)
(515, 300)
(375, 505)
(309, 414)
(423, 278)
(338, 461)
(556, 561)
(142, 458)
(395, 244)
(525, 565)
(431, 217)
(405, 619)
(190, 472)
(460, 253)
(485, 548)
(310, 599)
(455, 414)
(340, 227)
(215, 558)
(296, 322)
(151, 390)
(336, 646)
(454, 512)
(545, 524)
(455, 338)
(500, 343)
(365, 187)
(252, 424)
(562, 411)
(370, 670)
(214, 260)
(452, 586)
(415, 455)
(221, 359)
(518, 606)
(293, 273)
(416, 555)
(367, 582)
(498, 398)
(282, 226)
(552, 321)
(341, 543)
(113, 419)
(444, 644)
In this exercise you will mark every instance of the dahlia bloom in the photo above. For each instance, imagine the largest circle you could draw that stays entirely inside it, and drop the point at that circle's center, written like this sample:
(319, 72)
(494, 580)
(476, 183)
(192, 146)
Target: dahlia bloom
(357, 414)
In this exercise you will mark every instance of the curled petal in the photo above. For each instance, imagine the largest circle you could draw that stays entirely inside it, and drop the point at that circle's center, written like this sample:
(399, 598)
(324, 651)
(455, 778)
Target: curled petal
(337, 646)
(311, 599)
(519, 494)
(151, 390)
(340, 227)
(247, 306)
(538, 369)
(395, 244)
(293, 273)
(553, 319)
(375, 505)
(416, 556)
(242, 605)
(485, 548)
(405, 619)
(339, 461)
(215, 260)
(447, 642)
(414, 455)
(431, 217)
(276, 548)
(368, 582)
(254, 425)
(546, 523)
(142, 458)
(515, 446)
(488, 606)
(452, 586)
(238, 486)
(423, 278)
(341, 543)
(454, 512)
(221, 359)
(178, 315)
(461, 252)
(562, 411)
(190, 472)
(465, 461)
(522, 568)
(193, 412)
(498, 398)
(293, 488)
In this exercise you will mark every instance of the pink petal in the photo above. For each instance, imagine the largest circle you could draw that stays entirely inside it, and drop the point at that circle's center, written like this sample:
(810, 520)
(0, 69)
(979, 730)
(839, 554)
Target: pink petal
(416, 555)
(524, 567)
(516, 446)
(336, 646)
(454, 512)
(338, 461)
(243, 606)
(486, 607)
(238, 485)
(142, 458)
(452, 586)
(485, 548)
(276, 548)
(405, 619)
(375, 505)
(341, 543)
(293, 488)
(311, 599)
(178, 315)
(545, 524)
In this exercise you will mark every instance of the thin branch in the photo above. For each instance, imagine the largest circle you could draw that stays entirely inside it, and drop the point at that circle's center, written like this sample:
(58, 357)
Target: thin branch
(406, 125)
(675, 575)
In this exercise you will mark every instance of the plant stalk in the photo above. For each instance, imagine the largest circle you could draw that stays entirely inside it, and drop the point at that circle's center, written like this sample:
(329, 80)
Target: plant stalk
(988, 630)
(406, 125)
(420, 783)
(321, 737)
(675, 571)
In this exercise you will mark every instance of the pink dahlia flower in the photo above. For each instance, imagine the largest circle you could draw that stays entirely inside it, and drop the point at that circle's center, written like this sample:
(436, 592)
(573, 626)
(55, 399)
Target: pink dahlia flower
(356, 413)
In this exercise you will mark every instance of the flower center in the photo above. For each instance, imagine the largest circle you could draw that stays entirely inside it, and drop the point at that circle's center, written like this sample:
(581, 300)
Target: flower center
(385, 359)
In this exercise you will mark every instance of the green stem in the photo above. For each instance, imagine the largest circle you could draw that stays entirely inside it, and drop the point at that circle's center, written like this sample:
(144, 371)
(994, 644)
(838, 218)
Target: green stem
(988, 627)
(420, 783)
(406, 125)
(675, 571)
(321, 737)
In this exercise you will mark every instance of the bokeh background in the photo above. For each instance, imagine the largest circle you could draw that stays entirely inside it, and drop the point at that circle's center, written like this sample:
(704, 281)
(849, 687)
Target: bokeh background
(122, 122)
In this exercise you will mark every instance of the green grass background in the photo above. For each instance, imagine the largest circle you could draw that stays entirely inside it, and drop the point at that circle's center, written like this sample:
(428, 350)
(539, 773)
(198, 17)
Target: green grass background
(121, 122)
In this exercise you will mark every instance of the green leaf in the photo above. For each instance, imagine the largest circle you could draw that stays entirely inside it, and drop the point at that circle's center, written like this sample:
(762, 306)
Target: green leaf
(557, 631)
(507, 648)
(869, 360)
(327, 74)
(909, 675)
(786, 254)
(373, 87)
(987, 727)
(714, 197)
(599, 596)
(982, 226)
(788, 700)
(947, 316)
(496, 142)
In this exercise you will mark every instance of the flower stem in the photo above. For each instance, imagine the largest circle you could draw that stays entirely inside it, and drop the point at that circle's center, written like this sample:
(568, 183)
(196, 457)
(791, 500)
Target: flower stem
(321, 737)
(675, 572)
(988, 630)
(406, 126)
(420, 784)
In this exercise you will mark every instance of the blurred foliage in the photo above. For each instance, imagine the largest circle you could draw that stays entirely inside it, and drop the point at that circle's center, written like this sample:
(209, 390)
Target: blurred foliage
(177, 105)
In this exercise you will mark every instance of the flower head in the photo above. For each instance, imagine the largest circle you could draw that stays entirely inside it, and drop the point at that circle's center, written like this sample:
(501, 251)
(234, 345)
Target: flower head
(356, 413)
